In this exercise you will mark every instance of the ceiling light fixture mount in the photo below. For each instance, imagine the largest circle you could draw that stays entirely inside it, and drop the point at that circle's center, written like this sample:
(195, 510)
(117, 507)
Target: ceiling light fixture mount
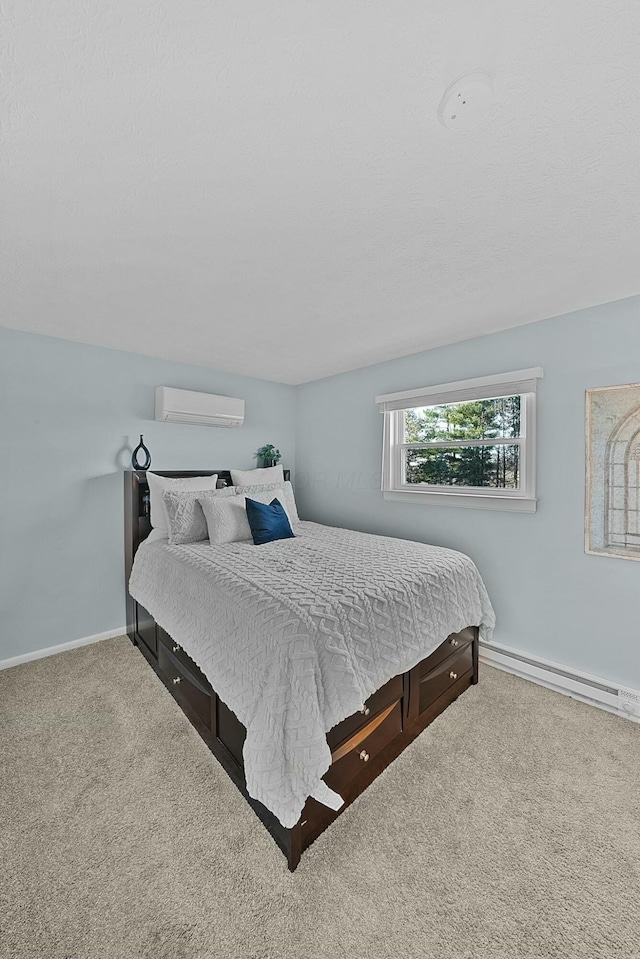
(466, 102)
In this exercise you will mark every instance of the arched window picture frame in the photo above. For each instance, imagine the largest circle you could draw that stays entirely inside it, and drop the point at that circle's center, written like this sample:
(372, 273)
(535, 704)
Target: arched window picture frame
(612, 514)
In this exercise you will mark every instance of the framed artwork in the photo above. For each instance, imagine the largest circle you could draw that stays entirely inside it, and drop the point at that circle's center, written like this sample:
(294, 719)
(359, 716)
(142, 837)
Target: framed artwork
(612, 513)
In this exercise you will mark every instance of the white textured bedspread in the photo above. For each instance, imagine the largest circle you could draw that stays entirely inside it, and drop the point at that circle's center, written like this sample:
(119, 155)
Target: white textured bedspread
(295, 635)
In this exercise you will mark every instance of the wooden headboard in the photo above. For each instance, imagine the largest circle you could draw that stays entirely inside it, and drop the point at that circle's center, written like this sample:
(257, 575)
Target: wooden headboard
(137, 519)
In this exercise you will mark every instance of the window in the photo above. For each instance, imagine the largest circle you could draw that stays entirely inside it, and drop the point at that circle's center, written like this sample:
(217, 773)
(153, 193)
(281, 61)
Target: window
(470, 443)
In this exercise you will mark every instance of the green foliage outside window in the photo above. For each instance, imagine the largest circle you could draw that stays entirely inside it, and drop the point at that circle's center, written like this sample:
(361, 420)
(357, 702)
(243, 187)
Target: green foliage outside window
(488, 465)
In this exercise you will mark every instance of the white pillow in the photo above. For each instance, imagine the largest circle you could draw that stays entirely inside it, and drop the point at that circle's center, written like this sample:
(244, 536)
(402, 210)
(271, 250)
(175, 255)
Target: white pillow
(265, 492)
(270, 474)
(156, 535)
(186, 519)
(157, 484)
(226, 518)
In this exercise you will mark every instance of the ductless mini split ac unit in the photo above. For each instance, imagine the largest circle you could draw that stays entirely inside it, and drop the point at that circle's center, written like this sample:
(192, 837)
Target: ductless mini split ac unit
(203, 409)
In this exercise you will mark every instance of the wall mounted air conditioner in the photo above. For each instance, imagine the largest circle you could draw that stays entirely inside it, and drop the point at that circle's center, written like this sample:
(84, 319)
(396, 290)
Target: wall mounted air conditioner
(205, 409)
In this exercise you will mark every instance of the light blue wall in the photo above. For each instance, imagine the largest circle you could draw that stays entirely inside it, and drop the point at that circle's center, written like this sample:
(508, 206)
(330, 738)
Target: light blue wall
(70, 413)
(69, 416)
(551, 599)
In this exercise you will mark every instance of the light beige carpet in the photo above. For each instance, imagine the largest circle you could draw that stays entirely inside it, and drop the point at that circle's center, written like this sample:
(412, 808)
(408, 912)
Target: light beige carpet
(509, 830)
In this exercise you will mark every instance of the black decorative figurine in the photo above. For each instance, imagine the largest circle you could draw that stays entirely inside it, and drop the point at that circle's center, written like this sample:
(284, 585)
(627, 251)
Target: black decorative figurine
(141, 448)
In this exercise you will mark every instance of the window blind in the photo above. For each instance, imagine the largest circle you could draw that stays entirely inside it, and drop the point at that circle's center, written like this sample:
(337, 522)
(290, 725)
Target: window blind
(463, 391)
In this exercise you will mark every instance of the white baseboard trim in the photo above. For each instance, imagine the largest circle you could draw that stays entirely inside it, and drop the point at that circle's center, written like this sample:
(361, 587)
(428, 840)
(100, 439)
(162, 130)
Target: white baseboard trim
(53, 650)
(621, 700)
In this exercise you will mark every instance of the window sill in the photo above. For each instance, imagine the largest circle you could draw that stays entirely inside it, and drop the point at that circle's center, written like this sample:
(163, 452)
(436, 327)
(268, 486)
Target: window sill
(517, 504)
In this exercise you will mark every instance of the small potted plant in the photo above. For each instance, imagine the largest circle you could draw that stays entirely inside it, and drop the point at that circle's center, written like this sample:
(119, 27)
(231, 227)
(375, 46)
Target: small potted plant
(269, 455)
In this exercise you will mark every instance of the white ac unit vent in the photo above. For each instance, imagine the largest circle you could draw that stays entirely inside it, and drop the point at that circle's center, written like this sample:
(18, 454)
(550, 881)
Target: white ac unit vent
(203, 409)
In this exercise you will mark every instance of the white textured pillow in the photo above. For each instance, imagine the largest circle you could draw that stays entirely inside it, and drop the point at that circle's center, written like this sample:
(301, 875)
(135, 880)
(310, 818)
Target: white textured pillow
(186, 519)
(157, 484)
(270, 474)
(156, 536)
(265, 492)
(226, 518)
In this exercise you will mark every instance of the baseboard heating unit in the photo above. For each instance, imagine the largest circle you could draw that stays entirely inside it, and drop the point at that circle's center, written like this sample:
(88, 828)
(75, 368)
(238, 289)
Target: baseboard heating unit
(620, 700)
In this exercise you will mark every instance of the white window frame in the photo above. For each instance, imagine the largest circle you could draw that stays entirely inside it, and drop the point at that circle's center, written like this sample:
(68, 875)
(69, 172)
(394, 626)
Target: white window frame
(521, 383)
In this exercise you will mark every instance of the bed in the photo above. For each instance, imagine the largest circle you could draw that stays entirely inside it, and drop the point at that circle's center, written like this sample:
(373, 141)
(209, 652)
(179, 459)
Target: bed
(307, 665)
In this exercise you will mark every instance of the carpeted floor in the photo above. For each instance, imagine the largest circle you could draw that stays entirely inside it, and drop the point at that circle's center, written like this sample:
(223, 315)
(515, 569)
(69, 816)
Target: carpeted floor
(509, 830)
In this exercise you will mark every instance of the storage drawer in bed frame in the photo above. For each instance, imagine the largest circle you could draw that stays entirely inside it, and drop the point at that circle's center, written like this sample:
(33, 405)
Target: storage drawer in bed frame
(188, 685)
(361, 746)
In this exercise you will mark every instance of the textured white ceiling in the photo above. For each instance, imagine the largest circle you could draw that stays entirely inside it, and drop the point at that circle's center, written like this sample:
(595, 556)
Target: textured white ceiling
(265, 188)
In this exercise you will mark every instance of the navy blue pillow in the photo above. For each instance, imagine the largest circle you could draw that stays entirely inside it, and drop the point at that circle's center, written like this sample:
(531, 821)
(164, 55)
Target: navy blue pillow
(268, 521)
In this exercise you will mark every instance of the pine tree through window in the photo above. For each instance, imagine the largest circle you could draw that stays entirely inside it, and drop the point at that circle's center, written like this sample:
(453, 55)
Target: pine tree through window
(464, 444)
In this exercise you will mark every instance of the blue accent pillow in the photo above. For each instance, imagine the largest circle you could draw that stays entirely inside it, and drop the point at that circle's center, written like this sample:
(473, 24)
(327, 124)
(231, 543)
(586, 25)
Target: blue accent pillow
(268, 521)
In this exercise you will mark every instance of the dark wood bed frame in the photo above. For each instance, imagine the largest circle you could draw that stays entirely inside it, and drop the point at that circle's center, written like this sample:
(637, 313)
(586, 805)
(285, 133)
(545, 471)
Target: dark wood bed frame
(362, 746)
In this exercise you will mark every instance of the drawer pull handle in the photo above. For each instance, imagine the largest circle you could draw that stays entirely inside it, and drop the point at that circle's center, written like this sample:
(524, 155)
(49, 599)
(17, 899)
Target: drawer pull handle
(364, 756)
(454, 642)
(365, 710)
(176, 649)
(177, 680)
(453, 675)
